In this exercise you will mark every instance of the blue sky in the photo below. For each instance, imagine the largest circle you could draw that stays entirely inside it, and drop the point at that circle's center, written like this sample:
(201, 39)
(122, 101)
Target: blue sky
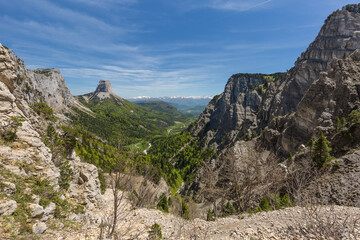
(160, 47)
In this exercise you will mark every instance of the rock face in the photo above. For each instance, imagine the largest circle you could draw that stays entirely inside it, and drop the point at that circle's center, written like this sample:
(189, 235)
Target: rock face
(342, 187)
(103, 90)
(39, 85)
(26, 162)
(51, 82)
(104, 86)
(340, 35)
(316, 97)
(334, 94)
(241, 108)
(233, 113)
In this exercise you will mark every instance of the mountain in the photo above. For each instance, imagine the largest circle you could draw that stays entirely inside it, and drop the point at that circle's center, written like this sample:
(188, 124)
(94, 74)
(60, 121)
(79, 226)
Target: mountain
(116, 118)
(161, 106)
(260, 120)
(187, 105)
(337, 38)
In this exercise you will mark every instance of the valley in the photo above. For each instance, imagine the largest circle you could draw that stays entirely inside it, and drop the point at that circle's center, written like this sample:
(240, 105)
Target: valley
(274, 156)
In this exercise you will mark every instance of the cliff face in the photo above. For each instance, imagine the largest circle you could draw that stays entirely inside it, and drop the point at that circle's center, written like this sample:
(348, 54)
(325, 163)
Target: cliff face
(321, 87)
(26, 163)
(242, 109)
(233, 113)
(39, 85)
(335, 94)
(340, 35)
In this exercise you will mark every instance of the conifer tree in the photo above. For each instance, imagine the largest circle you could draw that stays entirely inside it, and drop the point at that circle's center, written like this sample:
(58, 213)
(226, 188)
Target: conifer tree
(321, 151)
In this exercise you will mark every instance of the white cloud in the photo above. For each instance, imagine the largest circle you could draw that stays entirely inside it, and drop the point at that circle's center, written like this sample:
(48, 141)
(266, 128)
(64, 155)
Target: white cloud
(236, 5)
(228, 5)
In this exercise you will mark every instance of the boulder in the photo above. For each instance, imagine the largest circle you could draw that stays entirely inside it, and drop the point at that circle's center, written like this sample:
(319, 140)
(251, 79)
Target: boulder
(49, 212)
(9, 188)
(37, 211)
(39, 228)
(7, 207)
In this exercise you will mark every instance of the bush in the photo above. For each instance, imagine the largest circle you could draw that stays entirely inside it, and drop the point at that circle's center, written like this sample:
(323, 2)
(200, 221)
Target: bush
(184, 210)
(210, 216)
(155, 232)
(43, 109)
(8, 133)
(163, 204)
(102, 181)
(65, 175)
(228, 209)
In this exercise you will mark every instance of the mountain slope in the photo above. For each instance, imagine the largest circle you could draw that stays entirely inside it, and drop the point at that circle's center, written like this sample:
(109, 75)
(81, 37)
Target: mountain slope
(118, 119)
(186, 105)
(337, 38)
(247, 167)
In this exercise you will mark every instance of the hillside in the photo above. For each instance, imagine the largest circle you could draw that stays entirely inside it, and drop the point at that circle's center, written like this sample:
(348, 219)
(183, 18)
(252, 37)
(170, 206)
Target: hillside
(255, 128)
(117, 119)
(185, 105)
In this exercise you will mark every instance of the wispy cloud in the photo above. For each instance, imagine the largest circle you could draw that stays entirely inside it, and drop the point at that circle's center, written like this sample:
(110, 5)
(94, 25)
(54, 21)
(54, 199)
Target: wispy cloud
(236, 5)
(228, 5)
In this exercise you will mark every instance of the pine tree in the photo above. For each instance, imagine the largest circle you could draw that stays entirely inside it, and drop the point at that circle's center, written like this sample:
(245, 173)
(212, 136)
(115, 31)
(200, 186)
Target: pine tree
(210, 216)
(163, 204)
(184, 210)
(321, 151)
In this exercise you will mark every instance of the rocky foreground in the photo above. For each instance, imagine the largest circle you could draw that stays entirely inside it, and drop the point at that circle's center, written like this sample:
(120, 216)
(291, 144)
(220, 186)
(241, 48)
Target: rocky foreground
(315, 222)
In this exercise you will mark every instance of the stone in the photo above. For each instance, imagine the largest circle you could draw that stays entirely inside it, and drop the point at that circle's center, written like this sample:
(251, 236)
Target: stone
(49, 212)
(39, 228)
(9, 188)
(7, 207)
(37, 211)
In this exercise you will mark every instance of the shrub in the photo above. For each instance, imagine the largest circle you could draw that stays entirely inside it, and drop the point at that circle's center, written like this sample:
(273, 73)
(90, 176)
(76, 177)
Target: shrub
(155, 232)
(8, 133)
(163, 204)
(43, 109)
(184, 210)
(354, 117)
(102, 181)
(228, 209)
(210, 216)
(65, 175)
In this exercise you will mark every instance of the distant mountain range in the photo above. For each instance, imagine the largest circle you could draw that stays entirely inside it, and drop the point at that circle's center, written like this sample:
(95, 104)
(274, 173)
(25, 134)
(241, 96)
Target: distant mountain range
(193, 105)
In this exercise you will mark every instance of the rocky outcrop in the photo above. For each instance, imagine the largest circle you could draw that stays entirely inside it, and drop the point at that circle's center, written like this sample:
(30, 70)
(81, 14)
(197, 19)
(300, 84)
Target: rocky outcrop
(242, 109)
(7, 207)
(85, 185)
(39, 85)
(334, 94)
(104, 86)
(233, 113)
(51, 86)
(338, 37)
(27, 169)
(102, 91)
(341, 186)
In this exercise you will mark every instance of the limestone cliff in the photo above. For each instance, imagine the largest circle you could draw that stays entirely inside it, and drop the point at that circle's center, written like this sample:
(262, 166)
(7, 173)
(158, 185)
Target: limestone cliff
(334, 95)
(241, 108)
(39, 85)
(338, 37)
(322, 86)
(233, 113)
(30, 179)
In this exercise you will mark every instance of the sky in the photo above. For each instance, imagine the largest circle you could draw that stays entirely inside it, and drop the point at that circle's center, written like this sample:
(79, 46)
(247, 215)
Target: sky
(161, 47)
